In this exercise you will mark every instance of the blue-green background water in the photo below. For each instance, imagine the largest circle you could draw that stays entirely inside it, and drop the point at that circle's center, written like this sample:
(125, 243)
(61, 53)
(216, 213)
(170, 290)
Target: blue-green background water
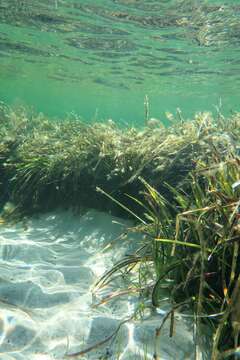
(98, 58)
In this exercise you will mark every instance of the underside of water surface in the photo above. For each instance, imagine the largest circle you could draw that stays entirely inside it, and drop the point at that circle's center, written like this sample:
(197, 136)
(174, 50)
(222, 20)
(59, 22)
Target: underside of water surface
(100, 58)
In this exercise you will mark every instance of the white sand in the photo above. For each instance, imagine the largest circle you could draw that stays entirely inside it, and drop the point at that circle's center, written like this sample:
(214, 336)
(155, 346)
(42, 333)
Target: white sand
(47, 271)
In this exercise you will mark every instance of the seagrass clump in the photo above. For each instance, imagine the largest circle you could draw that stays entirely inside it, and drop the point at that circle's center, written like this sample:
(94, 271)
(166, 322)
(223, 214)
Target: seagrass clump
(55, 163)
(193, 245)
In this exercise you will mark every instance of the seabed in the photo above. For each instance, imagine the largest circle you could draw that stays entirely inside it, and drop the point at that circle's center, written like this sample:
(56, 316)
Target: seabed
(119, 243)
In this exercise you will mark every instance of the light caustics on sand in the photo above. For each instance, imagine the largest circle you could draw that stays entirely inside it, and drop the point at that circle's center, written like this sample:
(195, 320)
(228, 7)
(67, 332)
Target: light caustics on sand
(48, 269)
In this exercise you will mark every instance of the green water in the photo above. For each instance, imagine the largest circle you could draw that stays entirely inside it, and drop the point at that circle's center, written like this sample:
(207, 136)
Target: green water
(98, 58)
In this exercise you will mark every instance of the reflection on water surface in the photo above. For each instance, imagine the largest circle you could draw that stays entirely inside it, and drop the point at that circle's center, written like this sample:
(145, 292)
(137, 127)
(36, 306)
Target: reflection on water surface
(109, 54)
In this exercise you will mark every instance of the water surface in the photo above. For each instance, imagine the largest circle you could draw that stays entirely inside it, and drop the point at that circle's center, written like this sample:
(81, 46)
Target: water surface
(99, 58)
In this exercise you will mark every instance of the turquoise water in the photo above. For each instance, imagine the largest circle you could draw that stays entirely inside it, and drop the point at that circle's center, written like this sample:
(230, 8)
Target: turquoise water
(100, 58)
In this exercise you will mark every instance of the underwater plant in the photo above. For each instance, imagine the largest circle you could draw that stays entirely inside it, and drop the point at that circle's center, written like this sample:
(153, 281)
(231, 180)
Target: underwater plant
(47, 164)
(193, 244)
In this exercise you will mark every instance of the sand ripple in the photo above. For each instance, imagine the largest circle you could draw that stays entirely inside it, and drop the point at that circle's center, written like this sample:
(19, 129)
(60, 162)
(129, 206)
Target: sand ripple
(47, 272)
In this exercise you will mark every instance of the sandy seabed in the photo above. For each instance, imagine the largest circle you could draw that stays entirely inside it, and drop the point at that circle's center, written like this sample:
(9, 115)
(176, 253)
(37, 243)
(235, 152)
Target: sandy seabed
(48, 267)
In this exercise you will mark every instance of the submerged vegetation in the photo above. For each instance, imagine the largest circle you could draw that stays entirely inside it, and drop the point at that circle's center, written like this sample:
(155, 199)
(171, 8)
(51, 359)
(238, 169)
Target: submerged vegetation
(45, 163)
(193, 243)
(183, 189)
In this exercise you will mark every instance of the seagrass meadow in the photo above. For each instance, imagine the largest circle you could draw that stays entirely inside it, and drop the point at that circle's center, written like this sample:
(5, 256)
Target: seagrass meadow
(181, 186)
